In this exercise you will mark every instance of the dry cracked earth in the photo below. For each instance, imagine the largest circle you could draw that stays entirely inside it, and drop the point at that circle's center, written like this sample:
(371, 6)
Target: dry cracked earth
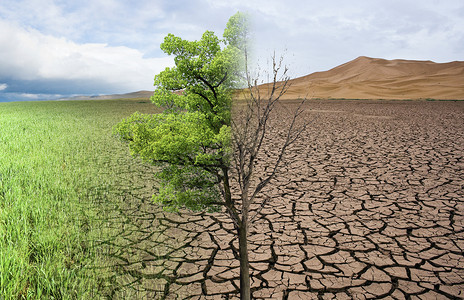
(369, 205)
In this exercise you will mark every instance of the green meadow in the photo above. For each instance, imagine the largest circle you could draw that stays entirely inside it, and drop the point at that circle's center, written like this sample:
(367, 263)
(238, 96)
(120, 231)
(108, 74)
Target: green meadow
(56, 160)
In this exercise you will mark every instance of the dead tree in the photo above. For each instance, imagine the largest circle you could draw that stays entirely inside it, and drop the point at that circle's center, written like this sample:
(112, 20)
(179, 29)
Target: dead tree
(250, 130)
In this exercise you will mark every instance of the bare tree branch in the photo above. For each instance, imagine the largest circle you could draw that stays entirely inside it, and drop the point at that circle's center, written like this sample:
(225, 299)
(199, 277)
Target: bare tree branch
(251, 130)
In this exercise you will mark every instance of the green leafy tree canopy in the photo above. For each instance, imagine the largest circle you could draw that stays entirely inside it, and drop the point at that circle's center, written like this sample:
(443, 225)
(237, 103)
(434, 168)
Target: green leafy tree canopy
(191, 140)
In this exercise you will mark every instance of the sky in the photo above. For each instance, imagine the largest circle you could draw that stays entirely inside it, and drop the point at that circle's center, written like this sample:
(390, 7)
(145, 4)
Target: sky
(52, 49)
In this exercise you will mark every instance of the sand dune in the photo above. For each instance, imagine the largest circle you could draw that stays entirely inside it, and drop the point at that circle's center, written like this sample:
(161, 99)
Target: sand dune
(368, 78)
(375, 78)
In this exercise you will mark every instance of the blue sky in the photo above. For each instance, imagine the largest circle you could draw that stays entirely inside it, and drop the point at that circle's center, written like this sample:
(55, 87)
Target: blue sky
(56, 48)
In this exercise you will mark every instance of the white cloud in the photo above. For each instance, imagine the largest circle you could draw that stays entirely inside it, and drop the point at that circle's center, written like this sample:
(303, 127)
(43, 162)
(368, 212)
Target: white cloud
(27, 54)
(3, 86)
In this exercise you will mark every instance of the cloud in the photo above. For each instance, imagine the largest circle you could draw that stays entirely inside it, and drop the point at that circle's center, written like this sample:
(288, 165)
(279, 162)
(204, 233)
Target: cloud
(141, 25)
(3, 86)
(29, 55)
(318, 35)
(52, 47)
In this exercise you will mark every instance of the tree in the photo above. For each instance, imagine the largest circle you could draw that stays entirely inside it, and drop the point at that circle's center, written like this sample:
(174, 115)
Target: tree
(204, 153)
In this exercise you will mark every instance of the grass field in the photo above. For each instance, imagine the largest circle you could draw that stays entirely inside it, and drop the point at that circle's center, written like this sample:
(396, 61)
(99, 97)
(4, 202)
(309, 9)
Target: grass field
(51, 159)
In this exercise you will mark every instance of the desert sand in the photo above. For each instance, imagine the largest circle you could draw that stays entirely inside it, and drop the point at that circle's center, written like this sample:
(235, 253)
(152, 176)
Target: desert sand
(375, 78)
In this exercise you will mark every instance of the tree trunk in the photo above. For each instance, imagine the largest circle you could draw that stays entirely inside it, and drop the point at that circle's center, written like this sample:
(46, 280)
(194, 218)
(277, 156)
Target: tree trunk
(245, 293)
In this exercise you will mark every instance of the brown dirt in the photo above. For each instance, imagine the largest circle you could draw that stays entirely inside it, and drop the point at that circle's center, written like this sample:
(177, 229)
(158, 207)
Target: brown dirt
(369, 205)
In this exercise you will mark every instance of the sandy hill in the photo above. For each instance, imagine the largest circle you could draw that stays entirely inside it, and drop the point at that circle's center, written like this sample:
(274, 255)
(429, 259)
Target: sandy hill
(375, 78)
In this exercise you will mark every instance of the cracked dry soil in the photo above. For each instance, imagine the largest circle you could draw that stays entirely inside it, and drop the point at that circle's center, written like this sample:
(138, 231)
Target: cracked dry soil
(369, 205)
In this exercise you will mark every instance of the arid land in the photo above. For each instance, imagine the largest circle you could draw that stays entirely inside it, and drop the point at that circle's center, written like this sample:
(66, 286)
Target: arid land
(370, 204)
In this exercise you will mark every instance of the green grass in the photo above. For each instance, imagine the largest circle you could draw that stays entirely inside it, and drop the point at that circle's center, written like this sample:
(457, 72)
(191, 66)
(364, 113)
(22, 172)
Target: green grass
(51, 159)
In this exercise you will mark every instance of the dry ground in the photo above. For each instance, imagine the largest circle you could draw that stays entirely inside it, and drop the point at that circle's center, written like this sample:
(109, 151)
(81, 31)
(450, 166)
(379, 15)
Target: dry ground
(370, 205)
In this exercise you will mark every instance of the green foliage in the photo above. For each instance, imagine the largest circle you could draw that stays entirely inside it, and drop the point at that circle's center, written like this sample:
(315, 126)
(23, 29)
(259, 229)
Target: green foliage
(188, 151)
(237, 37)
(237, 32)
(190, 140)
(188, 186)
(201, 77)
(175, 138)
